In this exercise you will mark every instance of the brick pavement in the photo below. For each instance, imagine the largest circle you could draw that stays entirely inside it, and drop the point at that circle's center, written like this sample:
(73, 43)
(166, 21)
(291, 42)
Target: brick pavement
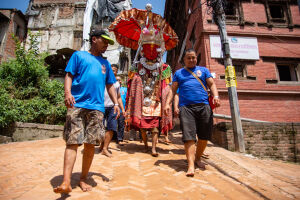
(30, 170)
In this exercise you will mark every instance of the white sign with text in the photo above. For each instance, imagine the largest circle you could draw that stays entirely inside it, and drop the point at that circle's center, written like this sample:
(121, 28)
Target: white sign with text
(240, 47)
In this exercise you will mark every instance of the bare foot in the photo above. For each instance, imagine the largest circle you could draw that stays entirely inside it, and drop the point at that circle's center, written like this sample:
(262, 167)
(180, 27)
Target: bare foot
(63, 189)
(190, 172)
(106, 153)
(200, 164)
(84, 186)
(154, 153)
(167, 140)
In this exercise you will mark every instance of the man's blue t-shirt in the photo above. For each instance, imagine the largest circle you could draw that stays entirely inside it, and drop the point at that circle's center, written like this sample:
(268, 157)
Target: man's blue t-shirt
(123, 92)
(191, 90)
(90, 75)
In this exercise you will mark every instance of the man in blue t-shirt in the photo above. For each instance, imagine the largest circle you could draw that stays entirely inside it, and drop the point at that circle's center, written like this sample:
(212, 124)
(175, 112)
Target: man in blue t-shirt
(88, 73)
(196, 117)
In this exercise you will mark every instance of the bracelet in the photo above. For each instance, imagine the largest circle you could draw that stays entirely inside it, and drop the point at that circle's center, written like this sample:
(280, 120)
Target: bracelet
(216, 97)
(116, 104)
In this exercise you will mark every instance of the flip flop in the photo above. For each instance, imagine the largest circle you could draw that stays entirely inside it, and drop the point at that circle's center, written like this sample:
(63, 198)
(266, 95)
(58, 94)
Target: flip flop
(205, 156)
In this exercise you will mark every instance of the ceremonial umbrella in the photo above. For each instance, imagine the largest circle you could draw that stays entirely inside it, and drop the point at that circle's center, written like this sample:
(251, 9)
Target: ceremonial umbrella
(129, 24)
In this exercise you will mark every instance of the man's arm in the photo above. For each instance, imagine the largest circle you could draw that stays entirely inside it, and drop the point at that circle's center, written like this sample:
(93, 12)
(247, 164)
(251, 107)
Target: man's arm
(176, 105)
(113, 96)
(69, 99)
(170, 97)
(121, 103)
(214, 92)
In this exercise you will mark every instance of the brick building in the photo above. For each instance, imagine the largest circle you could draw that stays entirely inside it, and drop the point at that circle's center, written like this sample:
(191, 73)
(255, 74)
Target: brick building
(267, 63)
(12, 21)
(60, 24)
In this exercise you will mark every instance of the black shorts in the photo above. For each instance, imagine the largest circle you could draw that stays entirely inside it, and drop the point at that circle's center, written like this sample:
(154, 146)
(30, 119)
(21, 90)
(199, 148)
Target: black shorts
(196, 119)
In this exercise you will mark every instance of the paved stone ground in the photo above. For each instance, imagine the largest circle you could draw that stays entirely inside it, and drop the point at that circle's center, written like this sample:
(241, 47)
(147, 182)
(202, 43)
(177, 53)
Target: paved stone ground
(30, 170)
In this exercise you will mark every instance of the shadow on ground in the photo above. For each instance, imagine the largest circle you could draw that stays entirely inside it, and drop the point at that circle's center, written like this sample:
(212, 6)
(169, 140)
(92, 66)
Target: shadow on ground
(178, 165)
(57, 180)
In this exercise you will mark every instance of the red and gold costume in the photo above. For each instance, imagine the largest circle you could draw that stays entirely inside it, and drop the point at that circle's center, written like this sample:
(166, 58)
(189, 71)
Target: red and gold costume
(149, 77)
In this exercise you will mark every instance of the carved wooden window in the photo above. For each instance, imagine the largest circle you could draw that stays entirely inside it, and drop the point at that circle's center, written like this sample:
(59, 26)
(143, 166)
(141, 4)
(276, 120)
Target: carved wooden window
(278, 13)
(231, 11)
(234, 12)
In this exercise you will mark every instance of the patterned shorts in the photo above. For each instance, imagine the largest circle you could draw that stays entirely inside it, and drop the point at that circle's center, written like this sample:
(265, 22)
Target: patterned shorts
(83, 126)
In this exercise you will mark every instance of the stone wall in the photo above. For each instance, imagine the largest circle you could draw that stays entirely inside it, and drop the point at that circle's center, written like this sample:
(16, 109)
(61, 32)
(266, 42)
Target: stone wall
(29, 131)
(266, 140)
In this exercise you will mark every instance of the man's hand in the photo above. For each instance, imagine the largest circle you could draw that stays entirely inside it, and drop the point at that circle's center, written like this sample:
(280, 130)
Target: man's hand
(176, 112)
(117, 110)
(216, 101)
(69, 100)
(123, 113)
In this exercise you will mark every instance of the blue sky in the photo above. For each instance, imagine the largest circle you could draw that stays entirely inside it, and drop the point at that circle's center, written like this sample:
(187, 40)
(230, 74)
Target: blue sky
(157, 5)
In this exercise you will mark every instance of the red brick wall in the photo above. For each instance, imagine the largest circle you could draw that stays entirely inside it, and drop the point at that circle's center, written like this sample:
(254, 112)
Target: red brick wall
(272, 42)
(266, 140)
(9, 49)
(254, 12)
(264, 107)
(9, 44)
(295, 14)
(257, 99)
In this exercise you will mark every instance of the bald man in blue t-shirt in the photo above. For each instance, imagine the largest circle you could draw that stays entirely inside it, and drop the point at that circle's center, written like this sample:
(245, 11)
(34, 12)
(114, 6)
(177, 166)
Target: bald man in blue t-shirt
(196, 117)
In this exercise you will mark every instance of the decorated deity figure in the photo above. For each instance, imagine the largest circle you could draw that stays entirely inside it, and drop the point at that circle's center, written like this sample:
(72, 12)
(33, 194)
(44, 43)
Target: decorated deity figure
(149, 77)
(148, 86)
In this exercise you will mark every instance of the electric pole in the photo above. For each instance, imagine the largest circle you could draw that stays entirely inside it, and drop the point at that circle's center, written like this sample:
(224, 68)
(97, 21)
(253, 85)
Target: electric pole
(219, 19)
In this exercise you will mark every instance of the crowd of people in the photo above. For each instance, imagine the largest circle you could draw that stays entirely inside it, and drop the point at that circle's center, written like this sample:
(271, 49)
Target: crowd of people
(96, 102)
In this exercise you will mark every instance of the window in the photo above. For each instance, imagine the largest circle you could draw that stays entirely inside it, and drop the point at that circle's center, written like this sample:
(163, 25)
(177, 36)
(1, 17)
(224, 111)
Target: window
(240, 70)
(278, 13)
(232, 11)
(288, 72)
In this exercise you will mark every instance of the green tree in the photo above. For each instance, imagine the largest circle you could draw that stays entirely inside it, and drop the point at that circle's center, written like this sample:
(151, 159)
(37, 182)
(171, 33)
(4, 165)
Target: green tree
(27, 94)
